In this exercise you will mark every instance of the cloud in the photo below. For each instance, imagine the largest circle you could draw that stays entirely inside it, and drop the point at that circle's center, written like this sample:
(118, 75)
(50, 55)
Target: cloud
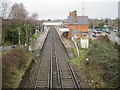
(60, 8)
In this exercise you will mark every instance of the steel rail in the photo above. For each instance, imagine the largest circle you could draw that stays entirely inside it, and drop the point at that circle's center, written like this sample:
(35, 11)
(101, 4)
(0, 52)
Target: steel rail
(57, 66)
(77, 86)
(51, 75)
(37, 83)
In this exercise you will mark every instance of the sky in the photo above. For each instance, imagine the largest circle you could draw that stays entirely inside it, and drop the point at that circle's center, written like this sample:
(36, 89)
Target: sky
(59, 9)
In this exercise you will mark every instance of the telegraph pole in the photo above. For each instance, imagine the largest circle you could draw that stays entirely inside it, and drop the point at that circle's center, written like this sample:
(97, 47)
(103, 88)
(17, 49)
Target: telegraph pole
(83, 8)
(19, 36)
(26, 37)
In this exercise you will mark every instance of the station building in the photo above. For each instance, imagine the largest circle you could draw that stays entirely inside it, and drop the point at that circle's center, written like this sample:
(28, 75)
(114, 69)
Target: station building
(78, 25)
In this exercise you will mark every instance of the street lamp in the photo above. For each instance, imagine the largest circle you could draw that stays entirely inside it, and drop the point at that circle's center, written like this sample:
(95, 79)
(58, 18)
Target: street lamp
(19, 36)
(26, 37)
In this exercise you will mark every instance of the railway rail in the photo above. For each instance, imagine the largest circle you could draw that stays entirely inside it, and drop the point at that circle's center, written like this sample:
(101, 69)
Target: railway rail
(56, 71)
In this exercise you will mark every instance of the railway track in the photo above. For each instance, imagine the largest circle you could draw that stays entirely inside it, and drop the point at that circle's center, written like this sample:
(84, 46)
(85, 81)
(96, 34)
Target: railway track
(56, 71)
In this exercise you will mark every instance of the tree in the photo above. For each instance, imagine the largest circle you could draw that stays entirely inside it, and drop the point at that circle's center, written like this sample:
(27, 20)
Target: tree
(18, 13)
(34, 16)
(12, 36)
(5, 9)
(106, 21)
(17, 18)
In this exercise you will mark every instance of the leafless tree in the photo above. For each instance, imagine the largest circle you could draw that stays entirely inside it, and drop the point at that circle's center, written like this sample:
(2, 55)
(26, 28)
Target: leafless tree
(34, 16)
(4, 9)
(18, 13)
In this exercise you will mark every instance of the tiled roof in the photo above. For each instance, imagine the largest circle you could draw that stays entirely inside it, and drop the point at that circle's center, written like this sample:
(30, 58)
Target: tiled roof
(75, 31)
(70, 20)
(81, 20)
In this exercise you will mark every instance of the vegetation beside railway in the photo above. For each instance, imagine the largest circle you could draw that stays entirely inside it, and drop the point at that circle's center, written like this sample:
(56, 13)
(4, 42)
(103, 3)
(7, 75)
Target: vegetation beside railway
(100, 63)
(15, 64)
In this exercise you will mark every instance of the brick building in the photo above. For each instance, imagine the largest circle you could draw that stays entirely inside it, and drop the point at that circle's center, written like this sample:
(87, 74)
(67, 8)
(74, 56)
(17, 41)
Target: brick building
(78, 25)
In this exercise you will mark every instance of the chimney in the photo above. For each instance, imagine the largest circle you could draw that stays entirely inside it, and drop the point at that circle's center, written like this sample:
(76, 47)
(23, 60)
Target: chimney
(74, 14)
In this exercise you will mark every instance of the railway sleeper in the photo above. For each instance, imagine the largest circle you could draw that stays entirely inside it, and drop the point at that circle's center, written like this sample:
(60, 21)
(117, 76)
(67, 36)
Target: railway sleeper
(68, 82)
(68, 86)
(67, 77)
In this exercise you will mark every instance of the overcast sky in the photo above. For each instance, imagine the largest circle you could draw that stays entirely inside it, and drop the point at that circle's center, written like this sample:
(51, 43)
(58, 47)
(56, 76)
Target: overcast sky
(59, 9)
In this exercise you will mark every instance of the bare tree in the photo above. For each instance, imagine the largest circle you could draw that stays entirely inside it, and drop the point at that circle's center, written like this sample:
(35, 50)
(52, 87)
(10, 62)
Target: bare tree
(18, 13)
(34, 16)
(4, 9)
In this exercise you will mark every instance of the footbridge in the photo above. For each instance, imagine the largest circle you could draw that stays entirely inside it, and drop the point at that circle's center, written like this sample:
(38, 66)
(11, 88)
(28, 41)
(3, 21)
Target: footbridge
(52, 23)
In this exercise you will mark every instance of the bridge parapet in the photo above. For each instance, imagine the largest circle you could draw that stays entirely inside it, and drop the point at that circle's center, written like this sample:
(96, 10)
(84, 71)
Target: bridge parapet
(52, 23)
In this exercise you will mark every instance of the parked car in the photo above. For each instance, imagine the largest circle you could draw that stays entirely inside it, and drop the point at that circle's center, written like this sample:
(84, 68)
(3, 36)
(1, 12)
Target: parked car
(14, 46)
(90, 30)
(115, 30)
(95, 32)
(94, 36)
(99, 31)
(108, 32)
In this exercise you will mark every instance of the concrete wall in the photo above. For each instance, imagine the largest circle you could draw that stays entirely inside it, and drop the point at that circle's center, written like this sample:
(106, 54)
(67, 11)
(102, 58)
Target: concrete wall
(52, 23)
(84, 42)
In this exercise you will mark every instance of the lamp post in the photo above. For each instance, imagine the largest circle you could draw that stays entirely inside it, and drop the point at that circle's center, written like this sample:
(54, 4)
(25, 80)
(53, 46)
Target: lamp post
(26, 37)
(30, 47)
(19, 36)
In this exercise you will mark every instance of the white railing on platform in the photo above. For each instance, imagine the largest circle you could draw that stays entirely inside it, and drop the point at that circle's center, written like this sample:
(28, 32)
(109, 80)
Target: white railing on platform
(76, 46)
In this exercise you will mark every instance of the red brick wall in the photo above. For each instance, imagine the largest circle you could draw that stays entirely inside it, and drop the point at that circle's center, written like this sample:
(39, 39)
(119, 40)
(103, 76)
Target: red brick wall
(70, 35)
(81, 28)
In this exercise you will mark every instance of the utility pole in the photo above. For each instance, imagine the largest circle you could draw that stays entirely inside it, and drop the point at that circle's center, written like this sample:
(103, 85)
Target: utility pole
(26, 37)
(30, 40)
(19, 36)
(83, 8)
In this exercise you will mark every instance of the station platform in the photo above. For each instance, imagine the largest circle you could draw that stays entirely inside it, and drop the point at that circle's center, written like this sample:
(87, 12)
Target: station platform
(40, 40)
(67, 43)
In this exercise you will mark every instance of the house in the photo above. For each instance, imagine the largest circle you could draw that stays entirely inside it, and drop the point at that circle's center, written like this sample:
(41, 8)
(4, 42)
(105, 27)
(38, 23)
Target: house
(78, 25)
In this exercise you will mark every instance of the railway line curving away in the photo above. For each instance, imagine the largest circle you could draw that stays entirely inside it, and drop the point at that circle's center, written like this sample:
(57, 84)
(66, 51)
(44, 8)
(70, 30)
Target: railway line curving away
(55, 70)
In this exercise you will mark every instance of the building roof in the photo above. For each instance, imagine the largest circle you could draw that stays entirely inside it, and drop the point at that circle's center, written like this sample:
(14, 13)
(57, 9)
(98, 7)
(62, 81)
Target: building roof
(81, 20)
(75, 31)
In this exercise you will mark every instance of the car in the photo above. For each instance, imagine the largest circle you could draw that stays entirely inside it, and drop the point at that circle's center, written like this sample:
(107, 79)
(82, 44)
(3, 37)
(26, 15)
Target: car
(95, 31)
(90, 30)
(14, 46)
(94, 36)
(108, 32)
(115, 30)
(99, 31)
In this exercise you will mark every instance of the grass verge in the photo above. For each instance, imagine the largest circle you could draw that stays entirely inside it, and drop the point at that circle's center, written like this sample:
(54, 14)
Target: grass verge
(100, 63)
(15, 64)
